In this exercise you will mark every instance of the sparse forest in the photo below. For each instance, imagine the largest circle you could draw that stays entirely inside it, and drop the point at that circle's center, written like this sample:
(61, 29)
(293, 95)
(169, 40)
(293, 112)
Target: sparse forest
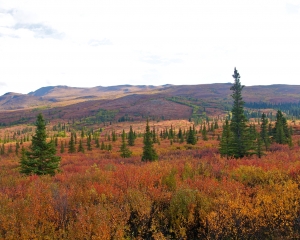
(223, 176)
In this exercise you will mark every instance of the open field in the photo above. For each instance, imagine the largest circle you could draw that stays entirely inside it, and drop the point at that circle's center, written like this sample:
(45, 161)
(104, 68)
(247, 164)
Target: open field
(189, 193)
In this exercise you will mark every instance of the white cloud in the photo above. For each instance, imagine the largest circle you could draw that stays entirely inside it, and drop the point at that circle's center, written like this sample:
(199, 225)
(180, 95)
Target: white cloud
(90, 43)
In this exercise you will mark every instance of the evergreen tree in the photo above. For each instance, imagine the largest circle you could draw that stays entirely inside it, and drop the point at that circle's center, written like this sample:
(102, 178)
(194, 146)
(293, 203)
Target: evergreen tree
(180, 136)
(264, 134)
(80, 147)
(259, 145)
(149, 153)
(72, 148)
(226, 141)
(204, 134)
(191, 137)
(89, 142)
(97, 143)
(109, 147)
(10, 149)
(62, 147)
(41, 158)
(131, 137)
(102, 147)
(154, 140)
(125, 152)
(114, 136)
(281, 132)
(240, 141)
(3, 149)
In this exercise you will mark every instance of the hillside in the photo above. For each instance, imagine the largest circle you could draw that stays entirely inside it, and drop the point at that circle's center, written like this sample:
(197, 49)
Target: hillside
(127, 102)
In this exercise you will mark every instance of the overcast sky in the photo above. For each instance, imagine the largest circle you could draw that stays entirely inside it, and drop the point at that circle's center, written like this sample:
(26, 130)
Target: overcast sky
(91, 43)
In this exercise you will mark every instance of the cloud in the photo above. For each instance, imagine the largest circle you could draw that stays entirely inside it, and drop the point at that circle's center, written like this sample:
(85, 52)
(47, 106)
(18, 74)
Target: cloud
(2, 84)
(14, 23)
(40, 30)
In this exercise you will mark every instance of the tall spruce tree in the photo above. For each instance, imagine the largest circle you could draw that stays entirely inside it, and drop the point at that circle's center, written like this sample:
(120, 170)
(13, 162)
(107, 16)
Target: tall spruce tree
(41, 158)
(149, 153)
(240, 141)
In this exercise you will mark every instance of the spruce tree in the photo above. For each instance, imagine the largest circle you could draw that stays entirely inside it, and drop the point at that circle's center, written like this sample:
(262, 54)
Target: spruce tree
(62, 147)
(97, 143)
(125, 152)
(204, 134)
(80, 147)
(240, 141)
(149, 153)
(131, 137)
(281, 132)
(89, 142)
(259, 145)
(41, 158)
(72, 148)
(226, 141)
(264, 134)
(191, 137)
(102, 147)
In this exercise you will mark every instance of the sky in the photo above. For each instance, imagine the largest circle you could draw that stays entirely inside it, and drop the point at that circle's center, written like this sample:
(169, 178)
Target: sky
(147, 42)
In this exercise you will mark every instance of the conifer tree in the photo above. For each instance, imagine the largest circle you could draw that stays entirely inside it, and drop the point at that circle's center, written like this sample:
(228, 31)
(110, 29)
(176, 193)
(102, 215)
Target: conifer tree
(80, 147)
(89, 142)
(264, 134)
(97, 143)
(149, 153)
(62, 147)
(109, 147)
(191, 137)
(240, 141)
(259, 145)
(204, 134)
(114, 136)
(180, 136)
(226, 141)
(281, 132)
(3, 149)
(131, 137)
(125, 152)
(154, 140)
(72, 148)
(102, 147)
(41, 158)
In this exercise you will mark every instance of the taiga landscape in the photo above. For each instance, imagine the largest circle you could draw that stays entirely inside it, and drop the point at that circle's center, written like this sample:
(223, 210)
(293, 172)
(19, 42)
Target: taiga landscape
(151, 162)
(155, 120)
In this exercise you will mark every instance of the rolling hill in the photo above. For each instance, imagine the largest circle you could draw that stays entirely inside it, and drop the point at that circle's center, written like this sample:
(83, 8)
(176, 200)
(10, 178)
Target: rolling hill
(128, 102)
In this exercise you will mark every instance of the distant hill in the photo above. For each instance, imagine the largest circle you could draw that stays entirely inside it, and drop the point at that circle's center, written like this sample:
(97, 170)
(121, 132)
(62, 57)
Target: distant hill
(129, 102)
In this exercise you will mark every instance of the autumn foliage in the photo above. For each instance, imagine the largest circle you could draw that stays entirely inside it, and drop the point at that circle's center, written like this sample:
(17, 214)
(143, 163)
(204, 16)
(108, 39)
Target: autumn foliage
(189, 193)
